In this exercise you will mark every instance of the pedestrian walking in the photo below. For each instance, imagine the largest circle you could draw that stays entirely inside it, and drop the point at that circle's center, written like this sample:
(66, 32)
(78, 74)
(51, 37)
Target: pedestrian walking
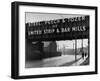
(83, 55)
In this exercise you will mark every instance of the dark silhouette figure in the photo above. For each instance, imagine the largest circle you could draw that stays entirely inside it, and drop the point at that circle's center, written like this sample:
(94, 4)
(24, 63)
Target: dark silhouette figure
(83, 55)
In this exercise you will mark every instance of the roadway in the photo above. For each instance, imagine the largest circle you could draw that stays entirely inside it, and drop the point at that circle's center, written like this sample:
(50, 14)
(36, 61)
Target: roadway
(64, 60)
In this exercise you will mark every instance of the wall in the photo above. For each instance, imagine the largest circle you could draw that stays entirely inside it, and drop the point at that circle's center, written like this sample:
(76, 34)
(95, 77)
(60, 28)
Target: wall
(5, 40)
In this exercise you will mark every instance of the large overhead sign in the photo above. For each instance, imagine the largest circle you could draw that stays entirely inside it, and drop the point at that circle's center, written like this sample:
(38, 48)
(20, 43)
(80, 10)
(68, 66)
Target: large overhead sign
(60, 29)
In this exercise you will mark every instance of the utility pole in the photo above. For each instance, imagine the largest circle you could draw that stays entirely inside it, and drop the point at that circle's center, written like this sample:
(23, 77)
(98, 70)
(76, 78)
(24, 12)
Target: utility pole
(75, 50)
(63, 50)
(82, 45)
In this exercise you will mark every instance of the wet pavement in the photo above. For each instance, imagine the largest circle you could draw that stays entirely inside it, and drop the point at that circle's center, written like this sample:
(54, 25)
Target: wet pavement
(65, 60)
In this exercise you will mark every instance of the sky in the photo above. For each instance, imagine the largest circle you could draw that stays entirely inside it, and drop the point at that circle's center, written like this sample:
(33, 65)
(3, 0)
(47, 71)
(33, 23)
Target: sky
(36, 17)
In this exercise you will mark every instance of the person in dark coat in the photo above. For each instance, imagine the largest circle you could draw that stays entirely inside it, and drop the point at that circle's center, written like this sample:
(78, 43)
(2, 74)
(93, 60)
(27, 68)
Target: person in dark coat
(83, 55)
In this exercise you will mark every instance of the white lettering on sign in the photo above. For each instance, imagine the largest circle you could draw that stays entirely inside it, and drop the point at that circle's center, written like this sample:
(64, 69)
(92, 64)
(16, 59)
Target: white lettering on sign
(65, 29)
(79, 28)
(36, 32)
(48, 31)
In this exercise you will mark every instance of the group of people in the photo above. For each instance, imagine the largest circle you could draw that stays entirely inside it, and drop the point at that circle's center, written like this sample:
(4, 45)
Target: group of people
(84, 54)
